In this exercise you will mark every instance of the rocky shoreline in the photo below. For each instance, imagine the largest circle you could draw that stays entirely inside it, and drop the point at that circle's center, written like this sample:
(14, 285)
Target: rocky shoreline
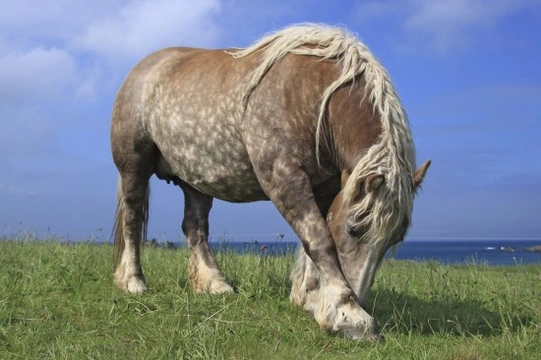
(535, 248)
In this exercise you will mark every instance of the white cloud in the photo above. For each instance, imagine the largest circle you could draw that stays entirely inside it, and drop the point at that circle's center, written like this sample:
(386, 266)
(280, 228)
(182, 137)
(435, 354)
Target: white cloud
(447, 23)
(139, 27)
(17, 190)
(29, 21)
(443, 25)
(35, 75)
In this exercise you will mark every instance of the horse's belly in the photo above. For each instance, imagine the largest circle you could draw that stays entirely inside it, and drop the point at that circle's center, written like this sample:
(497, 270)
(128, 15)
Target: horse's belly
(227, 180)
(217, 167)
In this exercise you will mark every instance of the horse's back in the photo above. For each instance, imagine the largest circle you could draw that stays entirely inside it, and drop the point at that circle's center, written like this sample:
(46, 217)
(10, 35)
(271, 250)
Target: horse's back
(150, 71)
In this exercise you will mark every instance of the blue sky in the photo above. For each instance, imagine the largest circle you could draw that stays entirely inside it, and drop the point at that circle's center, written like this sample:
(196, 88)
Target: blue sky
(466, 70)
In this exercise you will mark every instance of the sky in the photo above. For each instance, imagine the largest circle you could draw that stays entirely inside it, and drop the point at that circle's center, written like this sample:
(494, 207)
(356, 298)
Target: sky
(467, 72)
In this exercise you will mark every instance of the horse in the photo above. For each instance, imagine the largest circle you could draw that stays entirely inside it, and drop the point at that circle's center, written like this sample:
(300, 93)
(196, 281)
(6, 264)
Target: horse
(307, 118)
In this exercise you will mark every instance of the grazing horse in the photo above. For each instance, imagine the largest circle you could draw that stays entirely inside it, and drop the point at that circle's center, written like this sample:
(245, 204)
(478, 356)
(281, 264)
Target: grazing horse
(307, 118)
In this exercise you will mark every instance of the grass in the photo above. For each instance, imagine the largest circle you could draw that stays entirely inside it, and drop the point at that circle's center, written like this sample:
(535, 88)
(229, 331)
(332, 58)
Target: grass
(58, 302)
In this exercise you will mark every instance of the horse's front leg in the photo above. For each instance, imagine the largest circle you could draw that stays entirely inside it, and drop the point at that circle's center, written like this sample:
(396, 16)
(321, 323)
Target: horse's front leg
(335, 308)
(204, 274)
(304, 282)
(305, 275)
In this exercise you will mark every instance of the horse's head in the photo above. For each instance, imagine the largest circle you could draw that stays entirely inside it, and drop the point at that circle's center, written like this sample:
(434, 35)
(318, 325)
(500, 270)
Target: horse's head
(366, 225)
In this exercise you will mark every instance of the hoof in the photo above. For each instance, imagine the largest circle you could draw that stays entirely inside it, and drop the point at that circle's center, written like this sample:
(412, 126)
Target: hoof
(134, 284)
(223, 288)
(343, 316)
(354, 323)
(205, 280)
(212, 287)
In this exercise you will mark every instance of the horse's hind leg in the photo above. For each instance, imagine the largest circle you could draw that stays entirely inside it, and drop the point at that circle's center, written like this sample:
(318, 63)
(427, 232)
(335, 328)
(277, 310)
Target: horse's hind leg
(130, 226)
(205, 277)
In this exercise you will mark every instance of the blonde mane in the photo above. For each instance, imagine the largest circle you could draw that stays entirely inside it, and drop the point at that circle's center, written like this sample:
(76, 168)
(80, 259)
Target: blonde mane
(393, 156)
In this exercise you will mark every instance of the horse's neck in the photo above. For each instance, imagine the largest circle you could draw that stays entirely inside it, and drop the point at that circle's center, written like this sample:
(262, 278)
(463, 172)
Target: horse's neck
(354, 127)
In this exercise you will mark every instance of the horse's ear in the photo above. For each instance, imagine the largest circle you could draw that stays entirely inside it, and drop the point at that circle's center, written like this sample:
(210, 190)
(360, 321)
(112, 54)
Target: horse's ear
(373, 182)
(420, 173)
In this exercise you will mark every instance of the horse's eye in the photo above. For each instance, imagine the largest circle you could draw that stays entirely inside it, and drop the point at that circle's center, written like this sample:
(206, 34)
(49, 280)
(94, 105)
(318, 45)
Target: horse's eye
(354, 230)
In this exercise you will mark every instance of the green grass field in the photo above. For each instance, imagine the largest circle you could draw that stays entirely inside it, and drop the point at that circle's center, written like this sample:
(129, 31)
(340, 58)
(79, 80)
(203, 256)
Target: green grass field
(58, 302)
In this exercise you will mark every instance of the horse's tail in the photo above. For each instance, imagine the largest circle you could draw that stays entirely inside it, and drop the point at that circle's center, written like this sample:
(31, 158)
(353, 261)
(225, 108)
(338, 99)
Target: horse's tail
(118, 229)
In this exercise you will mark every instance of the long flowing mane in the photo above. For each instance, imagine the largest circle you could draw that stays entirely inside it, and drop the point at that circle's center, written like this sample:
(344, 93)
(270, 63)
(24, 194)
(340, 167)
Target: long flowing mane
(393, 156)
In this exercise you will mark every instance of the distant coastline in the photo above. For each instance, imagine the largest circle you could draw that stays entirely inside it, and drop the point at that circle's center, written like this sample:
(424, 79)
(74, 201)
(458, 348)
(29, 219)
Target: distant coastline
(496, 252)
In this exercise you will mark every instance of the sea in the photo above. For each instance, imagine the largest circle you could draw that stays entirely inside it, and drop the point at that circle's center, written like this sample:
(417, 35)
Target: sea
(494, 252)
